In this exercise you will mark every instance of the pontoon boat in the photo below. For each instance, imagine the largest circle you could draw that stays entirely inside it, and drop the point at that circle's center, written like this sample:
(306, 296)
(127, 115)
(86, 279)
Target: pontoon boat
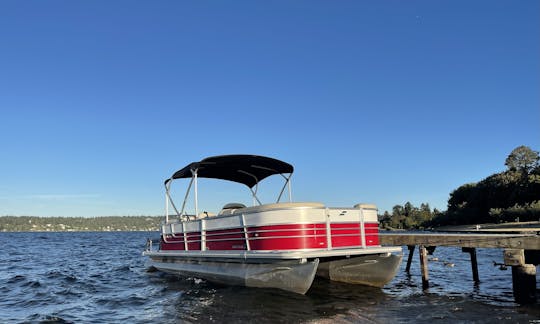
(280, 245)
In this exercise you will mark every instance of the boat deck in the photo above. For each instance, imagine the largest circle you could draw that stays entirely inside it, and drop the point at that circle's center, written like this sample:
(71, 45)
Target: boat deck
(275, 255)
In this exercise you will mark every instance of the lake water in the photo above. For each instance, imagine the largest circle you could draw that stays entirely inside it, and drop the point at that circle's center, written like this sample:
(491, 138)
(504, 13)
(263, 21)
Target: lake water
(102, 278)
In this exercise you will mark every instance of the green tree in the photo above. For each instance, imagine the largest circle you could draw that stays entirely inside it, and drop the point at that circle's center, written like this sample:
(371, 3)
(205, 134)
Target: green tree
(425, 214)
(522, 158)
(408, 208)
(407, 217)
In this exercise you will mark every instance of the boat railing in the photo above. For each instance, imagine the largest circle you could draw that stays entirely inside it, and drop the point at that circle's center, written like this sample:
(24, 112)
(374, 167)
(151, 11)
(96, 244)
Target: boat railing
(248, 235)
(362, 227)
(328, 229)
(150, 244)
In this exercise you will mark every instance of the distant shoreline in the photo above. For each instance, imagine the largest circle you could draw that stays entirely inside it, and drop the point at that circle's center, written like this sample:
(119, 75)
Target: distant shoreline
(80, 224)
(84, 231)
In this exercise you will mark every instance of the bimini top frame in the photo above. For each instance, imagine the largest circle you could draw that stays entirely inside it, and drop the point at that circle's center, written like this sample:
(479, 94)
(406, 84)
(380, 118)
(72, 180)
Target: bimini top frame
(246, 169)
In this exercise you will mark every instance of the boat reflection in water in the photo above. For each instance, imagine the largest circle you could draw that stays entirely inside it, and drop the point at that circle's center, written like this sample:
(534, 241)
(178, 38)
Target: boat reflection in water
(280, 245)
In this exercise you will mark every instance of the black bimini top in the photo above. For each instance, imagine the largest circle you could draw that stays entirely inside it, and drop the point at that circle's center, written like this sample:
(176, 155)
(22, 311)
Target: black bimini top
(246, 169)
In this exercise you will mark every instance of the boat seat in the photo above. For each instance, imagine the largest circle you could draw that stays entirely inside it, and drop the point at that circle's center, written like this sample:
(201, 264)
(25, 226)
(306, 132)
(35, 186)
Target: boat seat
(234, 206)
(229, 208)
(366, 206)
(290, 205)
(205, 215)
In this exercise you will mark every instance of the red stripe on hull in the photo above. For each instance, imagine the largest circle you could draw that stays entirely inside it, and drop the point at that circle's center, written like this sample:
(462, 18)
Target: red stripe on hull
(279, 237)
(345, 235)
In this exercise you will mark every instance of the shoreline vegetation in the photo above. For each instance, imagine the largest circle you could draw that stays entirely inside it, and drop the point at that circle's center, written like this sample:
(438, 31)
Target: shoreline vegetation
(79, 224)
(510, 196)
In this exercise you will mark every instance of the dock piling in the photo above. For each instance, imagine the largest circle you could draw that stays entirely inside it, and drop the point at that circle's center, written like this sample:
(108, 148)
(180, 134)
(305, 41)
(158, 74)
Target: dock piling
(523, 276)
(524, 283)
(474, 263)
(424, 267)
(409, 259)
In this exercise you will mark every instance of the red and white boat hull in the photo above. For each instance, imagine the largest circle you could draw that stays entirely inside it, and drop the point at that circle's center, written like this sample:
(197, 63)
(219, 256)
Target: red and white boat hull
(279, 245)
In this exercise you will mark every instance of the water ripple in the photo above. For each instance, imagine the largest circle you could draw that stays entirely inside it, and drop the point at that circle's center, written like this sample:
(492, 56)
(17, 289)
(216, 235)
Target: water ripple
(101, 277)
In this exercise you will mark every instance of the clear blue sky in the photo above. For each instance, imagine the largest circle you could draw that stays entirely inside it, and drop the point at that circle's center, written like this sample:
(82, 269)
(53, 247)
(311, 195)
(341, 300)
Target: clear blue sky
(371, 101)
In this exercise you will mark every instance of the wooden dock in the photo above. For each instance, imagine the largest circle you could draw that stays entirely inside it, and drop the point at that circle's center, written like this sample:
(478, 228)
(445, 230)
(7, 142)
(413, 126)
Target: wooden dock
(521, 252)
(473, 240)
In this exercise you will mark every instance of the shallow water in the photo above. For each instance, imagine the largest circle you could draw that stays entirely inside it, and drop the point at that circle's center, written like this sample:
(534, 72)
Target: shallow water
(101, 277)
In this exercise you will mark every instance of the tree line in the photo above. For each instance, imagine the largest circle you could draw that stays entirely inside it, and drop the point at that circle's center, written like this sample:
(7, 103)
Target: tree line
(90, 224)
(507, 196)
(408, 217)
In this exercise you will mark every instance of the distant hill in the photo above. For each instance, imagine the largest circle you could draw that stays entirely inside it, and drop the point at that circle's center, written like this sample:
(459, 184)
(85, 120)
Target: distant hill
(79, 224)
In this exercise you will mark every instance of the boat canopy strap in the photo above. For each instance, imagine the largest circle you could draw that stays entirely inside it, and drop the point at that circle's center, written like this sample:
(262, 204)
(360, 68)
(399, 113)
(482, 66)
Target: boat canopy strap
(246, 169)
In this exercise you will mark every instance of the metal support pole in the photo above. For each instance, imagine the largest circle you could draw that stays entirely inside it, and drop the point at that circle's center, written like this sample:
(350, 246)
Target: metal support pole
(362, 228)
(166, 208)
(246, 235)
(196, 193)
(203, 235)
(328, 230)
(409, 259)
(290, 191)
(186, 246)
(424, 267)
(185, 199)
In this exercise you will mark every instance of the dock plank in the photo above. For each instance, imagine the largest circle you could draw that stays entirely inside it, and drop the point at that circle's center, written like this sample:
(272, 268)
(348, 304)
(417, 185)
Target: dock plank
(472, 240)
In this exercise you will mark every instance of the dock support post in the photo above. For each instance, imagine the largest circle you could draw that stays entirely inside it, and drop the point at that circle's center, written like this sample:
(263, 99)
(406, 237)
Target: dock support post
(524, 283)
(409, 259)
(523, 276)
(474, 263)
(424, 267)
